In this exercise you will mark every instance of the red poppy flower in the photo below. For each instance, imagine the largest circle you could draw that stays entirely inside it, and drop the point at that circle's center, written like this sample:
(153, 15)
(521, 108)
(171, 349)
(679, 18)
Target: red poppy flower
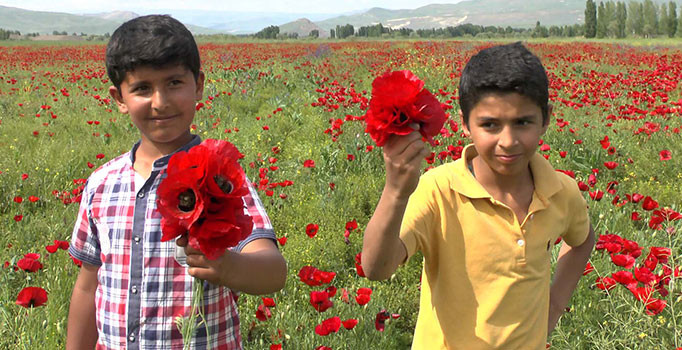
(263, 313)
(320, 300)
(398, 100)
(308, 163)
(642, 294)
(225, 178)
(644, 275)
(269, 302)
(331, 290)
(588, 268)
(29, 263)
(18, 199)
(655, 306)
(610, 165)
(605, 142)
(623, 260)
(661, 253)
(625, 278)
(33, 199)
(605, 283)
(282, 240)
(649, 203)
(311, 230)
(314, 277)
(273, 346)
(330, 325)
(350, 323)
(664, 155)
(380, 320)
(358, 265)
(363, 296)
(31, 297)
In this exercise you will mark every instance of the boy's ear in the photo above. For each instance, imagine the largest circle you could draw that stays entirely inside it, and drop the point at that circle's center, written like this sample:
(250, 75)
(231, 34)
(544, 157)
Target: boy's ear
(465, 128)
(116, 95)
(200, 86)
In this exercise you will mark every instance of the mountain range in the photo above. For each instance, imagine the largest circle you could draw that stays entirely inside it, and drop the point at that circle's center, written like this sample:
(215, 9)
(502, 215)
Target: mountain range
(514, 13)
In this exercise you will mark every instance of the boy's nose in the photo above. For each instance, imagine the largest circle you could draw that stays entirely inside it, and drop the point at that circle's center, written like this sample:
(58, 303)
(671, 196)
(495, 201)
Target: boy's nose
(159, 100)
(507, 138)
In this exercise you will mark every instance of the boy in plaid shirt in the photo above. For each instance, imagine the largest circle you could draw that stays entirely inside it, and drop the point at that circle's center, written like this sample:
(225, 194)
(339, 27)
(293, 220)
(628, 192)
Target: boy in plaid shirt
(132, 286)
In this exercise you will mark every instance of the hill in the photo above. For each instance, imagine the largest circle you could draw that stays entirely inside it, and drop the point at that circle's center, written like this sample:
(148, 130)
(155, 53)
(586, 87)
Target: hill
(27, 21)
(302, 27)
(515, 13)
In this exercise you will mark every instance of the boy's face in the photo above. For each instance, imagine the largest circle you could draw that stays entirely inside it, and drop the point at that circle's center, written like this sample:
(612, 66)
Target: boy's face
(161, 103)
(505, 129)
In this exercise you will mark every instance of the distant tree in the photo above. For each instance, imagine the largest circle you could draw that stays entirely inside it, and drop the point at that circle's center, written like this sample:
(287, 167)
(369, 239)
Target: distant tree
(672, 19)
(345, 31)
(650, 15)
(590, 19)
(540, 31)
(314, 33)
(269, 32)
(634, 24)
(332, 33)
(678, 33)
(612, 24)
(602, 20)
(621, 19)
(663, 20)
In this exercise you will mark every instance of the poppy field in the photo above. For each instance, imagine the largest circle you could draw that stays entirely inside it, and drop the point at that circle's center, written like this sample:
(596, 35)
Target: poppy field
(295, 111)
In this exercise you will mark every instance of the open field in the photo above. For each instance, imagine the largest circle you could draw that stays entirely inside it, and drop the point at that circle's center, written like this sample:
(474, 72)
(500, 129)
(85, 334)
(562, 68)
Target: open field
(616, 128)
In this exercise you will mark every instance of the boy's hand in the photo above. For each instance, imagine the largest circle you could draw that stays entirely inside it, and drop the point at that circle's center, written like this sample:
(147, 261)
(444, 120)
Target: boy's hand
(402, 157)
(203, 268)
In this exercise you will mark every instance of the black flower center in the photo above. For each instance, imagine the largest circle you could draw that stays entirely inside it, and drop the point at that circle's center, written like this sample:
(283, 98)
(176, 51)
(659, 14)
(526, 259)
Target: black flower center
(187, 200)
(224, 184)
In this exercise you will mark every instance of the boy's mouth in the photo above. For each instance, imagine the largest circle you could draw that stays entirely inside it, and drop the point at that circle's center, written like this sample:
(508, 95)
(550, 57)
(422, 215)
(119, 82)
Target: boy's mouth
(508, 158)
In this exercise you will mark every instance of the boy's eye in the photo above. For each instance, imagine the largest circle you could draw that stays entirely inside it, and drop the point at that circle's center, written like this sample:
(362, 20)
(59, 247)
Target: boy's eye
(141, 88)
(175, 82)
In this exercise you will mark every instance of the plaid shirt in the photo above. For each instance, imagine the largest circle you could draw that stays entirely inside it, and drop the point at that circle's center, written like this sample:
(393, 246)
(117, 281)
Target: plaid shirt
(142, 286)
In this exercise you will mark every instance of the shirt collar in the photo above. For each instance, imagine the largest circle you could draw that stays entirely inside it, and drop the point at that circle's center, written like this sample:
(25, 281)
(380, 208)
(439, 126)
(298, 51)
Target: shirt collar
(545, 178)
(163, 161)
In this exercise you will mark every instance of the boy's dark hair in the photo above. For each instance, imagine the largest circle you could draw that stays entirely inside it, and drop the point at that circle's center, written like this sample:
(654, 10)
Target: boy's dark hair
(502, 69)
(155, 40)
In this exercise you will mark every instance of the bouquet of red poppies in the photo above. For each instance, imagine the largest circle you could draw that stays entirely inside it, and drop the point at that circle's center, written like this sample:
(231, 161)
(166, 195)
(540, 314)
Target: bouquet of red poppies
(398, 100)
(201, 196)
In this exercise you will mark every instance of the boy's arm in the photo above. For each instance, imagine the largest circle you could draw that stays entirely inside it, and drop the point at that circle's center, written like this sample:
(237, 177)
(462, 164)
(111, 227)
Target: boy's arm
(569, 268)
(382, 249)
(259, 268)
(81, 332)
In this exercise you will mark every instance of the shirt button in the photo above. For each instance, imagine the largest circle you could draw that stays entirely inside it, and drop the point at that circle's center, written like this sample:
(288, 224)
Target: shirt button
(520, 242)
(134, 289)
(136, 239)
(131, 338)
(140, 195)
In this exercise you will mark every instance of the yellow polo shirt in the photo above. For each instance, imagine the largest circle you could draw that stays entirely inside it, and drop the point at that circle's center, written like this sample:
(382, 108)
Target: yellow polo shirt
(485, 280)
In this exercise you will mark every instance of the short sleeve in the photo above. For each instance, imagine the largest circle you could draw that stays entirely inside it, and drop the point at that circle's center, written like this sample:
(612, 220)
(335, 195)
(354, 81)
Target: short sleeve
(419, 216)
(84, 240)
(262, 228)
(579, 221)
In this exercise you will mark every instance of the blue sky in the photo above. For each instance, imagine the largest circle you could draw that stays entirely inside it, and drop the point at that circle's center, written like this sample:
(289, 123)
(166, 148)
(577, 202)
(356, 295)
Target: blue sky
(285, 6)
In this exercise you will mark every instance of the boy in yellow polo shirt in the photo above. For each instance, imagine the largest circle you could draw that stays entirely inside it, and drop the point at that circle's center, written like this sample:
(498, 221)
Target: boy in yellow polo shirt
(487, 222)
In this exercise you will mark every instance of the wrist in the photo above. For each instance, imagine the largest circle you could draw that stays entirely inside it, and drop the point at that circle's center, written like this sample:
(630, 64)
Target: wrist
(395, 195)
